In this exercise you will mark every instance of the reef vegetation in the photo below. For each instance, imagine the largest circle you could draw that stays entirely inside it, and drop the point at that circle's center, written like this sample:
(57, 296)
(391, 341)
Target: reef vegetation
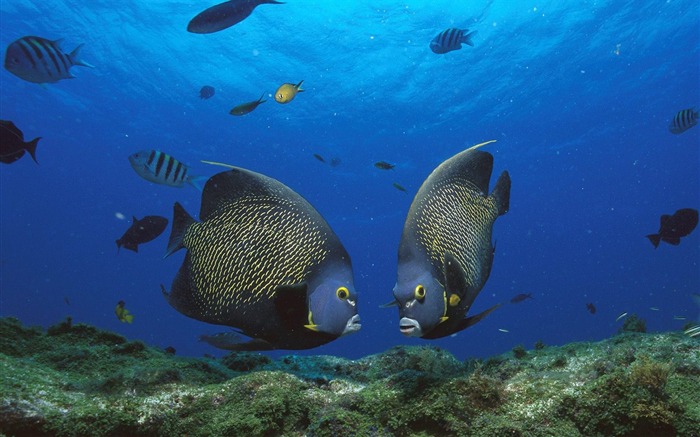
(75, 380)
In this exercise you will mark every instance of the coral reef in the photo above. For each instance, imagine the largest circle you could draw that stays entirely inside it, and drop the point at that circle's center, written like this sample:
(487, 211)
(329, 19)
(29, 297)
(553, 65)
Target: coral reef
(74, 380)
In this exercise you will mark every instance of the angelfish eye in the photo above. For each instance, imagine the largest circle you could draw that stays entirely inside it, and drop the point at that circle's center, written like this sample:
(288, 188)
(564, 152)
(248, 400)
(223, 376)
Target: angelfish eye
(419, 292)
(342, 293)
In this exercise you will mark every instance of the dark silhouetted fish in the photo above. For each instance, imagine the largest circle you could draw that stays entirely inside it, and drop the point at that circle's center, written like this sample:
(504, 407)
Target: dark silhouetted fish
(161, 168)
(12, 144)
(245, 108)
(684, 120)
(674, 227)
(451, 39)
(319, 157)
(206, 92)
(591, 308)
(262, 260)
(521, 297)
(445, 254)
(40, 60)
(399, 187)
(142, 231)
(383, 165)
(225, 15)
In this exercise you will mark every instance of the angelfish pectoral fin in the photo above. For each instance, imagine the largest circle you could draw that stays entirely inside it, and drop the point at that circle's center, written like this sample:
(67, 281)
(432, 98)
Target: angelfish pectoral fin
(469, 321)
(455, 279)
(292, 305)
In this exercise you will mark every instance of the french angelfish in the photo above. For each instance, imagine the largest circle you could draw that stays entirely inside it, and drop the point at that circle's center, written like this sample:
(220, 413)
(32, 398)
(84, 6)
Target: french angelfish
(40, 60)
(445, 253)
(12, 144)
(224, 15)
(263, 261)
(161, 168)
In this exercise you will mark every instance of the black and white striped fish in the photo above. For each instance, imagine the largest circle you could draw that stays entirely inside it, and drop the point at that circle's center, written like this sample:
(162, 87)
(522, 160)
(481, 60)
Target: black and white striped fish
(161, 168)
(451, 39)
(40, 60)
(684, 120)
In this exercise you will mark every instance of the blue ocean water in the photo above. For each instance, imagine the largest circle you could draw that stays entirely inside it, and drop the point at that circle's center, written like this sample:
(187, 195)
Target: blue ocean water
(578, 95)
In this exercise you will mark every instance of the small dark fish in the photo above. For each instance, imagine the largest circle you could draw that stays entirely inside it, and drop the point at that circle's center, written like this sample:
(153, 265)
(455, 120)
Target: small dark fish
(225, 15)
(591, 308)
(684, 120)
(142, 231)
(451, 39)
(122, 313)
(335, 162)
(161, 168)
(383, 165)
(675, 226)
(40, 60)
(521, 297)
(319, 157)
(169, 350)
(206, 92)
(245, 108)
(399, 187)
(12, 144)
(65, 299)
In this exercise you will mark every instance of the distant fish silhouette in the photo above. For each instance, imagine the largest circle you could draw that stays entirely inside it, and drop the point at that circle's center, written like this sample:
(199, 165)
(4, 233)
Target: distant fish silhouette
(591, 308)
(399, 187)
(675, 226)
(225, 15)
(142, 231)
(206, 92)
(12, 144)
(247, 107)
(521, 297)
(383, 165)
(319, 157)
(684, 120)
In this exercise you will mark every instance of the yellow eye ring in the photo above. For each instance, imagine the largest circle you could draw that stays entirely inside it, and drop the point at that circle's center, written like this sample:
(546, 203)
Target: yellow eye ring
(419, 292)
(342, 293)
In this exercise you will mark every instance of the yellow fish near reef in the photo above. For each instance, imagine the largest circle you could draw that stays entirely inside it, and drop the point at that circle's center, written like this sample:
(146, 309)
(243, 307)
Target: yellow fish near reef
(122, 313)
(287, 91)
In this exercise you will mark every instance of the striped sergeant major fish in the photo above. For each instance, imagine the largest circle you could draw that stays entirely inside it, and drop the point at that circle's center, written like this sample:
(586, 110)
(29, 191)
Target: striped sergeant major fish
(161, 168)
(684, 120)
(451, 39)
(40, 60)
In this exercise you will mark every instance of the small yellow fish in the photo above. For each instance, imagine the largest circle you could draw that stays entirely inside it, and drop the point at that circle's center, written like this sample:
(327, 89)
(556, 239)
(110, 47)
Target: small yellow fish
(122, 313)
(287, 91)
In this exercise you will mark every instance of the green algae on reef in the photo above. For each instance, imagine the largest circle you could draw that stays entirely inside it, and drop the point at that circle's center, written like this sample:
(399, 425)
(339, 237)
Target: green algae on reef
(75, 380)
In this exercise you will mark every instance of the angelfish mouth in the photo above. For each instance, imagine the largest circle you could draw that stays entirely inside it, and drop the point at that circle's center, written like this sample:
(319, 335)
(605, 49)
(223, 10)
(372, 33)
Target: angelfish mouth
(410, 327)
(353, 325)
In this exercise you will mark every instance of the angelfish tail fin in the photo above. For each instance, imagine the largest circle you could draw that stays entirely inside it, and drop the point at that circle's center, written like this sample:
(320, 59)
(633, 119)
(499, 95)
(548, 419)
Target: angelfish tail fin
(181, 221)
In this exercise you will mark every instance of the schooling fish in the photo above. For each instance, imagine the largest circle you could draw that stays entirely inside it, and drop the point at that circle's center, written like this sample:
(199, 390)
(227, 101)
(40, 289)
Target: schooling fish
(684, 120)
(675, 226)
(142, 231)
(206, 92)
(262, 260)
(161, 168)
(12, 144)
(451, 39)
(40, 60)
(445, 254)
(122, 313)
(225, 15)
(287, 91)
(383, 165)
(245, 108)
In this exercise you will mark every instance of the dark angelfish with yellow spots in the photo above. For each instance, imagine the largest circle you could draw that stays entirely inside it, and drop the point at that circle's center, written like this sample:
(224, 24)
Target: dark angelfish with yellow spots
(445, 254)
(263, 261)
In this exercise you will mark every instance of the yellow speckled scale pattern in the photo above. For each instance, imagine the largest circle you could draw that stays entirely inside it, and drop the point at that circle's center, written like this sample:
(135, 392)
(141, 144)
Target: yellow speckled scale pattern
(247, 248)
(456, 217)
